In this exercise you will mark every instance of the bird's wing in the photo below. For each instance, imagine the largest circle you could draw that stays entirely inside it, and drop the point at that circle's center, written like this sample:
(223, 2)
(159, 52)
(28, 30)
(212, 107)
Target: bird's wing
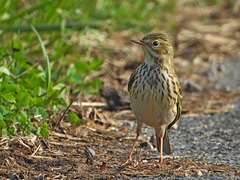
(132, 79)
(178, 104)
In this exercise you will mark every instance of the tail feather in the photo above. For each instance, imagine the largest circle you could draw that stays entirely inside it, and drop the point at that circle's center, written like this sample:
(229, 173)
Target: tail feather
(166, 143)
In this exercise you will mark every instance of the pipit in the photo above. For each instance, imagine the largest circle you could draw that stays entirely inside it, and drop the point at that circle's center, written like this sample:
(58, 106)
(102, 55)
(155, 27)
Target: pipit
(155, 92)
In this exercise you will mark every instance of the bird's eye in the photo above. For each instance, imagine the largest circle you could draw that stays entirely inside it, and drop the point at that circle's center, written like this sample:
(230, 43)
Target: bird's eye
(155, 43)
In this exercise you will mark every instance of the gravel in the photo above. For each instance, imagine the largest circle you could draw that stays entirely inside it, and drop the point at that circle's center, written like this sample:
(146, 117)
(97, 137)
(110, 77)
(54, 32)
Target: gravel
(216, 137)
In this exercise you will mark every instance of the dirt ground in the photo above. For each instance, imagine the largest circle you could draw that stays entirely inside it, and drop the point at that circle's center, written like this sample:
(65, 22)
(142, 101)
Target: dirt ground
(96, 148)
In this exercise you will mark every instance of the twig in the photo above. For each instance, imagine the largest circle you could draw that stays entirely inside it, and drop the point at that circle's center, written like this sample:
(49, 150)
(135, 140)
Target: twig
(67, 109)
(33, 154)
(24, 72)
(93, 104)
(21, 142)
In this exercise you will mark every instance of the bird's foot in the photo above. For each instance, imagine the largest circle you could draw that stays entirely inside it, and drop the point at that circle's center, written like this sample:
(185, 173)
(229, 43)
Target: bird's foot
(161, 160)
(129, 159)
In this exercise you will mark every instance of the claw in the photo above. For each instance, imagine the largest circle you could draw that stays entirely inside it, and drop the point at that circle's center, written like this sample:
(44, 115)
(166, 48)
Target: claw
(129, 159)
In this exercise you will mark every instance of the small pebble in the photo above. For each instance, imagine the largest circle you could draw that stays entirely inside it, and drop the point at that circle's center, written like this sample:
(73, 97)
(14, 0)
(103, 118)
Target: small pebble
(12, 175)
(146, 144)
(199, 173)
(90, 154)
(192, 86)
(204, 170)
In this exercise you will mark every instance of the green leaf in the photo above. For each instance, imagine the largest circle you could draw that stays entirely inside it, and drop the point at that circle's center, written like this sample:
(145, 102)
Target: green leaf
(24, 100)
(10, 97)
(73, 118)
(94, 85)
(70, 71)
(59, 86)
(9, 88)
(52, 96)
(21, 60)
(3, 110)
(82, 67)
(2, 124)
(16, 46)
(25, 123)
(37, 100)
(42, 131)
(17, 54)
(73, 77)
(4, 70)
(41, 111)
(2, 52)
(4, 83)
(76, 78)
(95, 63)
(10, 130)
(23, 116)
(45, 125)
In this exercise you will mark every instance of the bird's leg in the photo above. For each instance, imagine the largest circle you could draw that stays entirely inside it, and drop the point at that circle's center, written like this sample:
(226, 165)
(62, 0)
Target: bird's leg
(161, 149)
(129, 159)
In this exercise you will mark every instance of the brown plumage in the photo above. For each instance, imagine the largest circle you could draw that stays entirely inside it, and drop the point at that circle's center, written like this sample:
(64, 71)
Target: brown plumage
(155, 92)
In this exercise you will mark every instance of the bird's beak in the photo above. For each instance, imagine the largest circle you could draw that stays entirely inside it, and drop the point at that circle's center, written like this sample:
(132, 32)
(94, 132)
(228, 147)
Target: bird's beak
(139, 42)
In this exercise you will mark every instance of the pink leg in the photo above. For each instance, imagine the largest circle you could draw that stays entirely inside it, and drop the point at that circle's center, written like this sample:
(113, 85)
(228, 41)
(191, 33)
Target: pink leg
(161, 148)
(129, 159)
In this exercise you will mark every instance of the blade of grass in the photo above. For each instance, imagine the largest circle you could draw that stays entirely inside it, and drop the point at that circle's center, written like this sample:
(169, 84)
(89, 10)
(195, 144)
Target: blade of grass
(46, 59)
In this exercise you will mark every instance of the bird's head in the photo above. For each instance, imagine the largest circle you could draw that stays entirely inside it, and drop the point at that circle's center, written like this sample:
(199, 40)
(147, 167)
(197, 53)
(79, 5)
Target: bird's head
(156, 46)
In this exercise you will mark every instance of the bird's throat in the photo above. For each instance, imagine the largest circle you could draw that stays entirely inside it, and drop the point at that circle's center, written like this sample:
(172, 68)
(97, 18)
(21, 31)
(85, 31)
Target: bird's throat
(151, 58)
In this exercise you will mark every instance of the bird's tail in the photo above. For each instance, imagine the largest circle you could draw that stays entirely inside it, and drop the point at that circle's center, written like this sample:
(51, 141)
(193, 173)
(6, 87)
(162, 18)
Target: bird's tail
(166, 143)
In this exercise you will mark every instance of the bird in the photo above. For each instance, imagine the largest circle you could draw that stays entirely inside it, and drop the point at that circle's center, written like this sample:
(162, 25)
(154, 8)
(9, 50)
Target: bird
(155, 92)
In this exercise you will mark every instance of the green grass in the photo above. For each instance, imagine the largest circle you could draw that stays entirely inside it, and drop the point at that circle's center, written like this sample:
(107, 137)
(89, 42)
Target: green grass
(46, 59)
